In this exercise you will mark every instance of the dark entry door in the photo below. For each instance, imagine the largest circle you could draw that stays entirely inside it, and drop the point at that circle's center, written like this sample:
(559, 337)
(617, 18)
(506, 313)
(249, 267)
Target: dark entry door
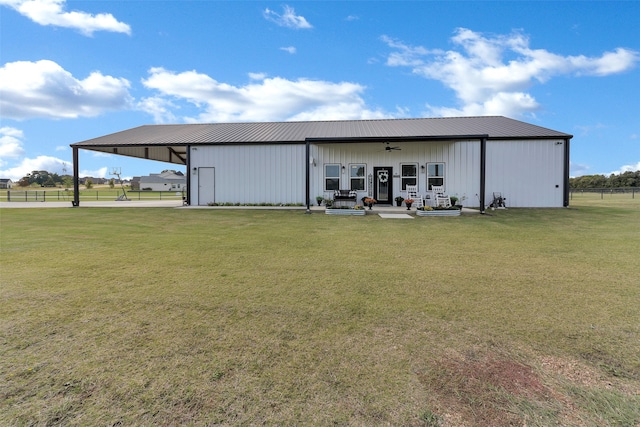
(382, 185)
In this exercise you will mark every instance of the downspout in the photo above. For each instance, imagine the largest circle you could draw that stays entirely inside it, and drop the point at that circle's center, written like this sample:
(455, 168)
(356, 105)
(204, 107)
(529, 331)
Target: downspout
(307, 175)
(76, 178)
(566, 173)
(483, 170)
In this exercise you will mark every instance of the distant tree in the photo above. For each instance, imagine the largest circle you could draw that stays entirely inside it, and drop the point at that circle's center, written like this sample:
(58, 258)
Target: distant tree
(67, 181)
(625, 179)
(112, 183)
(49, 182)
(88, 183)
(41, 178)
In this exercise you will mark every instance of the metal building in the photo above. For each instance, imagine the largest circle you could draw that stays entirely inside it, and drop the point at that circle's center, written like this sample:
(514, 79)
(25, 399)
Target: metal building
(295, 162)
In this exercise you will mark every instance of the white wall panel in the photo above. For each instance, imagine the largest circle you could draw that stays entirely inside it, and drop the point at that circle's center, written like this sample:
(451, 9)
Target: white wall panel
(253, 173)
(528, 173)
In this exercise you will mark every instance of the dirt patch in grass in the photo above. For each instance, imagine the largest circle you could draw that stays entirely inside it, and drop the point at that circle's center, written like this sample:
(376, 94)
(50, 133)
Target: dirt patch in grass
(484, 390)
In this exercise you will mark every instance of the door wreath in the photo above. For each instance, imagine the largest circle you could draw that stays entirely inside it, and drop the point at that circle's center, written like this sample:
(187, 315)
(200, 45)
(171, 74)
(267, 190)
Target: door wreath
(383, 176)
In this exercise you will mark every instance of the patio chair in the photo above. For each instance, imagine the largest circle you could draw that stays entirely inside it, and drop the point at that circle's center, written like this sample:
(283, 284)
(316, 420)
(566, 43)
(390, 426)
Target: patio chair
(412, 193)
(441, 199)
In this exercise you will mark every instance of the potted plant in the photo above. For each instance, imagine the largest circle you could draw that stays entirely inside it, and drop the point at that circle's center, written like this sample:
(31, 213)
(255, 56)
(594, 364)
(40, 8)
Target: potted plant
(459, 204)
(437, 211)
(454, 200)
(408, 202)
(369, 201)
(319, 199)
(399, 200)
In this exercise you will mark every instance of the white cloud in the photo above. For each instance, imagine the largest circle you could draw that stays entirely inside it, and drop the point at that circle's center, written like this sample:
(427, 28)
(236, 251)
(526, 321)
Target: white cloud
(627, 168)
(266, 99)
(491, 74)
(48, 163)
(290, 49)
(159, 108)
(97, 173)
(51, 12)
(288, 18)
(10, 144)
(45, 89)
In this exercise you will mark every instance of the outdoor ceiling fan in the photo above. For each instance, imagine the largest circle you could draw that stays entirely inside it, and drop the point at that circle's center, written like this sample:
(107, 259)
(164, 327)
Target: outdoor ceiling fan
(390, 148)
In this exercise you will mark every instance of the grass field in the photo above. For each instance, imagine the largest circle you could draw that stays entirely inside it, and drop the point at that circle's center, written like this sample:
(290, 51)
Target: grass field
(160, 316)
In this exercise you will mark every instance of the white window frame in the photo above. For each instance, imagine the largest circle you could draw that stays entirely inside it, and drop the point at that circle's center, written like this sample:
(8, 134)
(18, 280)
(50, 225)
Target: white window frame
(440, 177)
(403, 177)
(338, 176)
(356, 177)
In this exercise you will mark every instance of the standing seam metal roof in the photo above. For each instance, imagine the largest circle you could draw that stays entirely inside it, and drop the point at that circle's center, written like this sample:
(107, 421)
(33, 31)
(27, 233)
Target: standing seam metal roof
(495, 127)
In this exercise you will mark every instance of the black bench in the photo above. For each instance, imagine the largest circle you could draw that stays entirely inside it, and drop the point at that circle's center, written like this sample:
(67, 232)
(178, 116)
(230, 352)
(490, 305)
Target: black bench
(344, 198)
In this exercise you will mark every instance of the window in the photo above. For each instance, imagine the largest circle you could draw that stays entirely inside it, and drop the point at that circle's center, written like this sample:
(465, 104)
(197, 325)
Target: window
(409, 175)
(356, 177)
(331, 177)
(435, 174)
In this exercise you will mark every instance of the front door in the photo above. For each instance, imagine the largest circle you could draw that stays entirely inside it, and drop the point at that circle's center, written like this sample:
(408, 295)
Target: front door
(382, 185)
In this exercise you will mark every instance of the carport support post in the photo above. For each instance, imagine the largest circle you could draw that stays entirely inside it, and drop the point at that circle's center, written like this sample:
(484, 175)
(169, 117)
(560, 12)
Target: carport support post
(565, 202)
(307, 176)
(483, 171)
(76, 178)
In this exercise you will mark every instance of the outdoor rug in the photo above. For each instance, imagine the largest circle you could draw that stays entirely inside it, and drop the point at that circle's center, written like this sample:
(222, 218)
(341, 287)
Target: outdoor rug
(395, 216)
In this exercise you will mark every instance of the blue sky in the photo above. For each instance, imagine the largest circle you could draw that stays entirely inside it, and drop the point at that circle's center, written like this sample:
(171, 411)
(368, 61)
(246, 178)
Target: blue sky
(75, 70)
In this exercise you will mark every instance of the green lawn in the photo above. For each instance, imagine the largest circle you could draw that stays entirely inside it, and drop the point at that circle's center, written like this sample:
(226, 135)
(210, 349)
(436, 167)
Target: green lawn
(121, 316)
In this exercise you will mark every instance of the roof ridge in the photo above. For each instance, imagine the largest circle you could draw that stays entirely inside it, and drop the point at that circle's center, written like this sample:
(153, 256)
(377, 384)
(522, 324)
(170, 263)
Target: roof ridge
(328, 121)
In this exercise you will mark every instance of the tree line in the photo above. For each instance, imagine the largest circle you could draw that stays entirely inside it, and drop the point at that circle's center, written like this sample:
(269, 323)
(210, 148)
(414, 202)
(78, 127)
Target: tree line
(624, 180)
(43, 178)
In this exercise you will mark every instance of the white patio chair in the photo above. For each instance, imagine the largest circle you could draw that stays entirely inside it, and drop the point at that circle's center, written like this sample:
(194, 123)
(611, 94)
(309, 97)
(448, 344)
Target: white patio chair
(441, 199)
(412, 193)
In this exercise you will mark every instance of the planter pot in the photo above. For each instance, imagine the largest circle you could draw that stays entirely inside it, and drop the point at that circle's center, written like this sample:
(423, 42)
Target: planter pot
(408, 206)
(359, 212)
(453, 212)
(398, 203)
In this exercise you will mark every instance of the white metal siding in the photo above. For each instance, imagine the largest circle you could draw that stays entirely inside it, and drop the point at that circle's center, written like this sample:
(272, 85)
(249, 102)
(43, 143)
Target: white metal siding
(461, 158)
(252, 173)
(528, 173)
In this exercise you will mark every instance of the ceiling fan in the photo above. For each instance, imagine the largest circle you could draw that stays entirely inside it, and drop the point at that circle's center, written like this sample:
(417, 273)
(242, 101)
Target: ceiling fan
(389, 148)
